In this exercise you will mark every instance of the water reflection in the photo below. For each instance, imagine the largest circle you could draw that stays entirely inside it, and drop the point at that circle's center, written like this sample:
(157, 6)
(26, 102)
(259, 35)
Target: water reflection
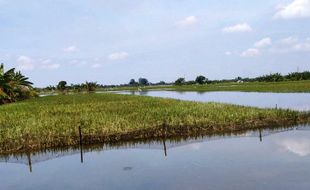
(298, 146)
(259, 159)
(127, 168)
(29, 161)
(296, 101)
(81, 144)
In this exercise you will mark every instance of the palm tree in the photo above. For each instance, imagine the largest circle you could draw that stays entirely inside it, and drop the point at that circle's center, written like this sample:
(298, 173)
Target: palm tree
(13, 85)
(22, 80)
(6, 89)
(90, 86)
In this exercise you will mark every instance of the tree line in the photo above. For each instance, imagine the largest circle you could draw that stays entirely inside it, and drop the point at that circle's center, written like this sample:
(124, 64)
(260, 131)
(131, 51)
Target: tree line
(273, 77)
(295, 76)
(15, 86)
(62, 86)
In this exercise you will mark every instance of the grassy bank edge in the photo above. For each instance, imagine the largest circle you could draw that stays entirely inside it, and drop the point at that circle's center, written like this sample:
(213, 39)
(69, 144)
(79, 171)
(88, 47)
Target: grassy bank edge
(159, 132)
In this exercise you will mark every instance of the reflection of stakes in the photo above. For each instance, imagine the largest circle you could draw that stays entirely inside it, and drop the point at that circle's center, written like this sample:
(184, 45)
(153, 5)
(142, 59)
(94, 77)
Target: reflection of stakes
(28, 153)
(165, 149)
(260, 135)
(29, 162)
(81, 145)
(164, 139)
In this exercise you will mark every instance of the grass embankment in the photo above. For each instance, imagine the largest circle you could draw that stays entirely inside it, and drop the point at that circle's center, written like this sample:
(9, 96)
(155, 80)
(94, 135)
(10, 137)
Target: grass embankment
(53, 121)
(286, 86)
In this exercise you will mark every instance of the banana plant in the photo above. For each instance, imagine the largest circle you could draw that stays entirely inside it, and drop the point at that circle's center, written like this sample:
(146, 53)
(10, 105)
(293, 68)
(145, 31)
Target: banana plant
(11, 84)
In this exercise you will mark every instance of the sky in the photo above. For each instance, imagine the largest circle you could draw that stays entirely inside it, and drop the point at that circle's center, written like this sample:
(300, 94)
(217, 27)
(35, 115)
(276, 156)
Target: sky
(112, 41)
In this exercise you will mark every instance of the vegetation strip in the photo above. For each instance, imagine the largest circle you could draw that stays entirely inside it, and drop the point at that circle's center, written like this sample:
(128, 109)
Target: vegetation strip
(282, 87)
(53, 121)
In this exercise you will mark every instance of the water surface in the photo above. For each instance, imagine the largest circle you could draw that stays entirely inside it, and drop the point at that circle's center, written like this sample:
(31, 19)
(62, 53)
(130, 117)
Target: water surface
(295, 101)
(268, 159)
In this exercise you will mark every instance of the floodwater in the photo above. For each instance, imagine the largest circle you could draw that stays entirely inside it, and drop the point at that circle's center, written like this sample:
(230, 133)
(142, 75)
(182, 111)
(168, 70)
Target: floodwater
(294, 101)
(267, 159)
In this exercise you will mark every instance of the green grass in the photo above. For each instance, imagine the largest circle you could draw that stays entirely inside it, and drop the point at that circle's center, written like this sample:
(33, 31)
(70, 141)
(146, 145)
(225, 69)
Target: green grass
(286, 86)
(53, 121)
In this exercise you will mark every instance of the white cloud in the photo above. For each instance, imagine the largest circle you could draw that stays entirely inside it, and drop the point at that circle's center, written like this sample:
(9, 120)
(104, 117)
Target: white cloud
(47, 64)
(95, 66)
(289, 40)
(252, 52)
(25, 63)
(300, 147)
(243, 27)
(70, 49)
(293, 44)
(263, 43)
(118, 56)
(187, 22)
(302, 47)
(296, 9)
(228, 53)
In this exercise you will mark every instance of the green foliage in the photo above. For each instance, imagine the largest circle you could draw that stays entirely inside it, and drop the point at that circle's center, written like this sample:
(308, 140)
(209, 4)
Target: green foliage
(180, 81)
(77, 87)
(62, 85)
(298, 76)
(91, 86)
(133, 82)
(1, 69)
(276, 77)
(14, 86)
(201, 79)
(273, 77)
(143, 81)
(161, 83)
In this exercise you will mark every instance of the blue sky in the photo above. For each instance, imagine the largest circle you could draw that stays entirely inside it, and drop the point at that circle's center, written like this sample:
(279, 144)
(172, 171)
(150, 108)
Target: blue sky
(112, 41)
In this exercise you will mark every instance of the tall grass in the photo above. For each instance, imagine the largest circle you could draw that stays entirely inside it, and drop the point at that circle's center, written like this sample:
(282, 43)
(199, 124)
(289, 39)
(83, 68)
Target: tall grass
(53, 121)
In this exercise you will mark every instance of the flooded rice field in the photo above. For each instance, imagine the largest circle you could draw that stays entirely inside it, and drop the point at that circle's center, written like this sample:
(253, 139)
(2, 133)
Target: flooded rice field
(263, 159)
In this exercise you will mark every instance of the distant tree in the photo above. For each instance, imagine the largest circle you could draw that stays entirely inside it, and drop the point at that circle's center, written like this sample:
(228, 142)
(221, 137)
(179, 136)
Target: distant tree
(50, 88)
(132, 82)
(238, 78)
(270, 78)
(77, 87)
(161, 83)
(201, 79)
(90, 86)
(1, 69)
(298, 76)
(180, 81)
(190, 82)
(62, 85)
(143, 81)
